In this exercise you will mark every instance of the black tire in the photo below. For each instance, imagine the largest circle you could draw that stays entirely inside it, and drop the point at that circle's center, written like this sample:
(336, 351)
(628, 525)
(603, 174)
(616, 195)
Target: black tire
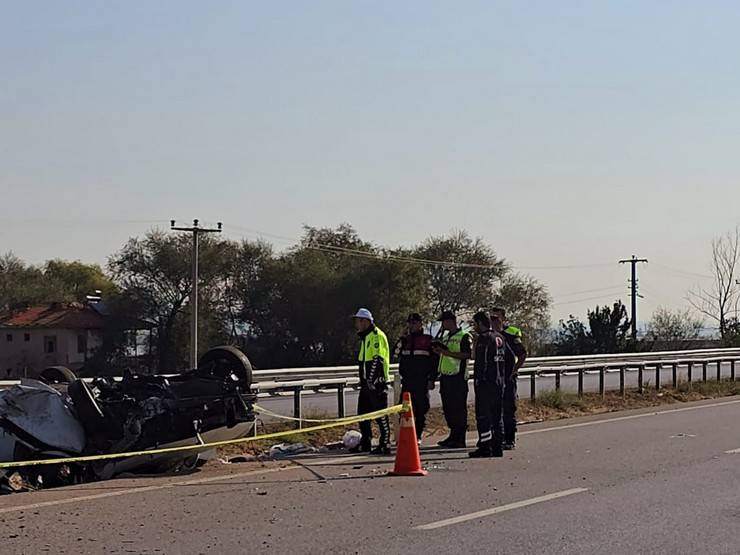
(224, 361)
(57, 375)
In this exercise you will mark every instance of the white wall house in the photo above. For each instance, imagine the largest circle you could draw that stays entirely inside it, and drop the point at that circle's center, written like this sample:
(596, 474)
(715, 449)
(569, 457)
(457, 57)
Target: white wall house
(56, 334)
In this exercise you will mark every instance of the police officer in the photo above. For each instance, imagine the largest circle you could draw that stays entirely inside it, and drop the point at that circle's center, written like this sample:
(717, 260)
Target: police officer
(516, 354)
(374, 359)
(418, 368)
(454, 350)
(490, 348)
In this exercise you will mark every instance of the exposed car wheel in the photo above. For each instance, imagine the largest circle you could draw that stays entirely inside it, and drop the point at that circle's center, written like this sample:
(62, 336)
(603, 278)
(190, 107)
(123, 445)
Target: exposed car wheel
(57, 374)
(225, 361)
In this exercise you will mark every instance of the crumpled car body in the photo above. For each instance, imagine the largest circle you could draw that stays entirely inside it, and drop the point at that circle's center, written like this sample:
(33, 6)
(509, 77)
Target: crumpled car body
(135, 413)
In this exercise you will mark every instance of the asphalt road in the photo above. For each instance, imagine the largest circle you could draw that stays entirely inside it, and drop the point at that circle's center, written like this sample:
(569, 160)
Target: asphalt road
(648, 481)
(326, 403)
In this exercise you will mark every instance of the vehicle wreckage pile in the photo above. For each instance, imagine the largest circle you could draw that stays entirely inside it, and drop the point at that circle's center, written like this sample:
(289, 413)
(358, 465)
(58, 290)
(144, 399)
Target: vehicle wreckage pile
(138, 412)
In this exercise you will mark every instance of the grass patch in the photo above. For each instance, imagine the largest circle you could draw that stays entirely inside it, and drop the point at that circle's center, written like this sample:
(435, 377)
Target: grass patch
(709, 389)
(559, 400)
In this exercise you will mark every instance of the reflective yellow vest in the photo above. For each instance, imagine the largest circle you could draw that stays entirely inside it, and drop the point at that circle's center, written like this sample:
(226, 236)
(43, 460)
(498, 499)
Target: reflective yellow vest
(449, 366)
(376, 345)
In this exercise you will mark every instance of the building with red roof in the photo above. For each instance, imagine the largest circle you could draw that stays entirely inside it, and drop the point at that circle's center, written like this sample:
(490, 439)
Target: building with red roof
(55, 334)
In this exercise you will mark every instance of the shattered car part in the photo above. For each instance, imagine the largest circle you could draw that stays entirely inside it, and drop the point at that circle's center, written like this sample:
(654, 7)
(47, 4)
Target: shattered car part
(210, 403)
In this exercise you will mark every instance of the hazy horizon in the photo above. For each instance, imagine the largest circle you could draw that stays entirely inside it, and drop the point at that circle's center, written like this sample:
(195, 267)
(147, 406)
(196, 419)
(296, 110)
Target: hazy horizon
(565, 134)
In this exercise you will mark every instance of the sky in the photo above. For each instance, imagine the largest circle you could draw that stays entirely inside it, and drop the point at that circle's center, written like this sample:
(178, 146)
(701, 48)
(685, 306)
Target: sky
(569, 135)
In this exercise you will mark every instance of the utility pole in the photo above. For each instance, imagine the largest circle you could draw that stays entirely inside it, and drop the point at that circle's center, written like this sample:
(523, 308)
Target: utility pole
(633, 282)
(196, 231)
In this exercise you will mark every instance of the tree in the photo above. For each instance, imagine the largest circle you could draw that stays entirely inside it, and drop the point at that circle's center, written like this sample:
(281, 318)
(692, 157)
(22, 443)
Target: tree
(154, 274)
(606, 332)
(721, 299)
(673, 328)
(573, 338)
(609, 327)
(468, 281)
(19, 283)
(301, 306)
(527, 305)
(78, 280)
(56, 281)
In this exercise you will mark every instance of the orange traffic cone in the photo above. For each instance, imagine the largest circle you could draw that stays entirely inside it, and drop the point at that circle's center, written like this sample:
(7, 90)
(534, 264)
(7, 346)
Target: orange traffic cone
(408, 462)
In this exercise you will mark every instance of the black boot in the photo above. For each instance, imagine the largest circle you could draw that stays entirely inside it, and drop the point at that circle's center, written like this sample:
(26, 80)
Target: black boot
(457, 440)
(381, 450)
(445, 442)
(483, 452)
(361, 448)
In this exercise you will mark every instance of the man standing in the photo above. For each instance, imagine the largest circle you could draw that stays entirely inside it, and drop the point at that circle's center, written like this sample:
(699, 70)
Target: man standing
(418, 369)
(454, 351)
(374, 359)
(490, 348)
(516, 354)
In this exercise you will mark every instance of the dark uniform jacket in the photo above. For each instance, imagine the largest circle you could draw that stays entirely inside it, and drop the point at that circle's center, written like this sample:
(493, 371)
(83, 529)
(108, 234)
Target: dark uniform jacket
(417, 362)
(515, 350)
(490, 358)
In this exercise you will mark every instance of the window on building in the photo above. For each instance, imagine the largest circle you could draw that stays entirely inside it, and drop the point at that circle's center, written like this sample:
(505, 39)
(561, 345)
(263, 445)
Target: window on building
(9, 337)
(50, 344)
(26, 337)
(81, 343)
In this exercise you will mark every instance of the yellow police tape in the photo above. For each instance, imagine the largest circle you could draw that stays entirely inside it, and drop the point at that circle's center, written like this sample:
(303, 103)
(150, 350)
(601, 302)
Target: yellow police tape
(204, 446)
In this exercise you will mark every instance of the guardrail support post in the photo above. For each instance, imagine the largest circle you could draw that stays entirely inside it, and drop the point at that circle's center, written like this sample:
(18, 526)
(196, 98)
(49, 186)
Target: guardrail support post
(340, 400)
(704, 371)
(691, 371)
(602, 385)
(640, 371)
(557, 380)
(719, 370)
(732, 370)
(658, 370)
(297, 405)
(580, 382)
(532, 386)
(674, 372)
(621, 380)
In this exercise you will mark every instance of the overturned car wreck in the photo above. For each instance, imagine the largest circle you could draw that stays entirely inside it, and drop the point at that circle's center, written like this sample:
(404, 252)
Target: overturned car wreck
(138, 412)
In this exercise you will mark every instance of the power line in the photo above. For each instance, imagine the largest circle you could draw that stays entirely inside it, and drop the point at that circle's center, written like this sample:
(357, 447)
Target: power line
(613, 288)
(408, 259)
(682, 272)
(596, 298)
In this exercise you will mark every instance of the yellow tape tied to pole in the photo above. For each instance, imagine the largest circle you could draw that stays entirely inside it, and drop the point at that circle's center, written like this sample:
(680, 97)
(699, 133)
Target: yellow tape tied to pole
(205, 446)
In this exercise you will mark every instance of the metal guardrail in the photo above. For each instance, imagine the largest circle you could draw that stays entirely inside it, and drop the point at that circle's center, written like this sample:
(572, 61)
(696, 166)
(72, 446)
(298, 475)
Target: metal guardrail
(533, 362)
(299, 381)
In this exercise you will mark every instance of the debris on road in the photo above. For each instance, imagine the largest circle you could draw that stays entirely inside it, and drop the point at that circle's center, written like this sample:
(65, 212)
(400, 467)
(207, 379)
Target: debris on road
(351, 439)
(285, 450)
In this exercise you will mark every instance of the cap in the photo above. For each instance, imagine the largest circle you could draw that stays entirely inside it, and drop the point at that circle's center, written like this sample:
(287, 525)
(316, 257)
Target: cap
(447, 315)
(364, 313)
(414, 317)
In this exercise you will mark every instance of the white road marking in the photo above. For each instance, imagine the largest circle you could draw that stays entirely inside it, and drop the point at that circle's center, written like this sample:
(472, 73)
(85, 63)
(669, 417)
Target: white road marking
(630, 417)
(501, 509)
(732, 452)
